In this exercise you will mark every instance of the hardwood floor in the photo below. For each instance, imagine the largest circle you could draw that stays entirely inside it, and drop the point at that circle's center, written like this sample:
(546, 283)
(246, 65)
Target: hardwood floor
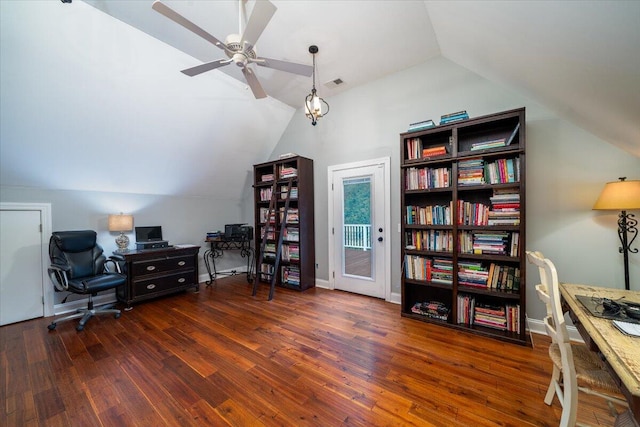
(223, 357)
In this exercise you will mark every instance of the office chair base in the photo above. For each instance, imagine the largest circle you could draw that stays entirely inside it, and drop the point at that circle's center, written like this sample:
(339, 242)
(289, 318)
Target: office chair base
(86, 314)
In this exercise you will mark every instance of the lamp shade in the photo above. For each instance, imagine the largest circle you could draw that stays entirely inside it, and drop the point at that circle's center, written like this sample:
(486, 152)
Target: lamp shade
(619, 196)
(120, 222)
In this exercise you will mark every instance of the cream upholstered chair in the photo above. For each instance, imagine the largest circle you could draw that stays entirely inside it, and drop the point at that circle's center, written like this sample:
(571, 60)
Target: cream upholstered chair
(575, 367)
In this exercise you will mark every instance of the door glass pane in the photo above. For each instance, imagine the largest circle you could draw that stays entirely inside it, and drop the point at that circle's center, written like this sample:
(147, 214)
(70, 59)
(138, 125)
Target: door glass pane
(356, 242)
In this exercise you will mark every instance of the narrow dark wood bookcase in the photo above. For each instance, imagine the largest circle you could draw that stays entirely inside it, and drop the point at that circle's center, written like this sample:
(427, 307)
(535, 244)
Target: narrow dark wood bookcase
(288, 252)
(463, 225)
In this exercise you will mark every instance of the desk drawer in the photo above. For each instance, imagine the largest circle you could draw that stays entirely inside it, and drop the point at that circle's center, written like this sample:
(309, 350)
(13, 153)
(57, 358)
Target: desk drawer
(160, 265)
(164, 283)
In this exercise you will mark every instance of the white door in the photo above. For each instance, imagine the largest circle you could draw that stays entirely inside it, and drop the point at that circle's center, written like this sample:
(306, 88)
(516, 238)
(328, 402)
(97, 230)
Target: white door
(359, 228)
(21, 284)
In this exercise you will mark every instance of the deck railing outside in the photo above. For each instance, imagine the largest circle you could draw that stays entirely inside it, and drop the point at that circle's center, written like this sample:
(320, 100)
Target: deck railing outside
(357, 236)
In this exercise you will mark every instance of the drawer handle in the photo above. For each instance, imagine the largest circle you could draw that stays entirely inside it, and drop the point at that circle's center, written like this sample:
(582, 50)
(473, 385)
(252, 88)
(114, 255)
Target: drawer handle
(182, 280)
(151, 286)
(151, 268)
(181, 263)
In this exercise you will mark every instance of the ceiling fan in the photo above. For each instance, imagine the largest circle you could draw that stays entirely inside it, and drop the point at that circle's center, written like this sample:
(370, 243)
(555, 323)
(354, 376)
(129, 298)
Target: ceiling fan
(239, 48)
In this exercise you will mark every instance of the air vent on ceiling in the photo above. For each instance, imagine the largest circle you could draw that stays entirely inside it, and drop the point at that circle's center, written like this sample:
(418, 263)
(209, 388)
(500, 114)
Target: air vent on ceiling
(334, 83)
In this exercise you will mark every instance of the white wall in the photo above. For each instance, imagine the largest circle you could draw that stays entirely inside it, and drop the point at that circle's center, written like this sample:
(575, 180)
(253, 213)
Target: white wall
(566, 167)
(184, 220)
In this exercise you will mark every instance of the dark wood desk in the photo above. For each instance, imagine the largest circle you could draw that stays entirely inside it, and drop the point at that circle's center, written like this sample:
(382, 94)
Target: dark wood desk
(620, 352)
(156, 272)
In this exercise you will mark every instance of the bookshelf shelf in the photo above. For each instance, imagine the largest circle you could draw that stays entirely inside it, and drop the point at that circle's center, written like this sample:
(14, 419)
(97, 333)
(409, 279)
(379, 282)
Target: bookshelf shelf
(476, 189)
(292, 240)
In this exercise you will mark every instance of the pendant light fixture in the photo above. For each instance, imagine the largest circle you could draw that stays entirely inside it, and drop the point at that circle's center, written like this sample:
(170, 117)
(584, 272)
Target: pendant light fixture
(314, 106)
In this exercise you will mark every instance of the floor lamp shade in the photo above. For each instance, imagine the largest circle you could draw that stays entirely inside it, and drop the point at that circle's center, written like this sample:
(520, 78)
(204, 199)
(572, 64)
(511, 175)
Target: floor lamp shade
(622, 196)
(121, 223)
(619, 196)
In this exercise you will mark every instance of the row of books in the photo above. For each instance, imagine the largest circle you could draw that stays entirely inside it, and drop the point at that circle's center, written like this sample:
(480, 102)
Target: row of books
(290, 234)
(290, 275)
(426, 178)
(502, 317)
(432, 309)
(416, 150)
(292, 215)
(429, 215)
(489, 243)
(472, 213)
(476, 171)
(265, 194)
(436, 270)
(290, 252)
(285, 189)
(454, 117)
(496, 143)
(266, 271)
(429, 240)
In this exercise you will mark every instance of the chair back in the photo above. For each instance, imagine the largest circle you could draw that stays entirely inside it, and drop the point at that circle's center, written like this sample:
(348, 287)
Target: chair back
(78, 251)
(556, 327)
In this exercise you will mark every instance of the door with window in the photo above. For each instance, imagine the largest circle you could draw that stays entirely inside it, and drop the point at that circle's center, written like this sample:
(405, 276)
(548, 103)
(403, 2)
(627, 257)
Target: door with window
(359, 228)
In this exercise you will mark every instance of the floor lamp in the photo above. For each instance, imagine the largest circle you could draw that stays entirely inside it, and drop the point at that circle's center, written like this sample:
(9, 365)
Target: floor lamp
(622, 196)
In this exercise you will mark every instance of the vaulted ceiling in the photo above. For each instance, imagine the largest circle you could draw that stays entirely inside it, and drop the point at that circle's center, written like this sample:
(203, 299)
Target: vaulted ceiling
(580, 59)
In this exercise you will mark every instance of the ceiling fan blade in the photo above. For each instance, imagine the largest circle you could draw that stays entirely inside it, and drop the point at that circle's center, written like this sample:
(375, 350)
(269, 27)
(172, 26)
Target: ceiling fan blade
(158, 6)
(289, 67)
(208, 66)
(253, 82)
(262, 12)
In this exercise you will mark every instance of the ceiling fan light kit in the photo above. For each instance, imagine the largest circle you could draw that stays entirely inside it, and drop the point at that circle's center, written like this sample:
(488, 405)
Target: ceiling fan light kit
(239, 48)
(314, 106)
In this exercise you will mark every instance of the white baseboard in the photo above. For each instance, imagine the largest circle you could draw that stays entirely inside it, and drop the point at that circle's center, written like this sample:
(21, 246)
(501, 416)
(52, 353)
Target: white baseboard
(73, 306)
(537, 327)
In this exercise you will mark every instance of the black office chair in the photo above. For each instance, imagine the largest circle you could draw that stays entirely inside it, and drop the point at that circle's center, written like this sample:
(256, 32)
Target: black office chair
(79, 266)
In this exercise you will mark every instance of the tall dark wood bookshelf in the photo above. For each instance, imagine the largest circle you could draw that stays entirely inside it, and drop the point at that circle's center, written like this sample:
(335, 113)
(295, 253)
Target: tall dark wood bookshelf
(463, 225)
(296, 264)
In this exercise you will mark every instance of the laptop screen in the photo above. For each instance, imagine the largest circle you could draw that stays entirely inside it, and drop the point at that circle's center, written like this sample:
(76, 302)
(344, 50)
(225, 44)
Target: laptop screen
(149, 234)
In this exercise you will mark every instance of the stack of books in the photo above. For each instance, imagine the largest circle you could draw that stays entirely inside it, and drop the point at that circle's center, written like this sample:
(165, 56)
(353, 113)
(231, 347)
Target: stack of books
(288, 171)
(291, 234)
(491, 243)
(214, 235)
(439, 150)
(485, 145)
(454, 117)
(471, 171)
(490, 316)
(425, 124)
(267, 177)
(442, 271)
(433, 309)
(472, 274)
(505, 207)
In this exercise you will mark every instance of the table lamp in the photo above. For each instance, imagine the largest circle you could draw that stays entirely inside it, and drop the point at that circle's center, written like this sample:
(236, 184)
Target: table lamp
(622, 196)
(121, 223)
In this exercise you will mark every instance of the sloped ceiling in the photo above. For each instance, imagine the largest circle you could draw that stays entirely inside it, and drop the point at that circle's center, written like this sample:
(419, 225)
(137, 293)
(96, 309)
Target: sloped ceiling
(581, 59)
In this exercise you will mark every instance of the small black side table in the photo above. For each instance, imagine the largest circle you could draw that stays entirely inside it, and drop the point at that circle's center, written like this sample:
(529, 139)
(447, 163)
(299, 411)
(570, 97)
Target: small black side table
(216, 250)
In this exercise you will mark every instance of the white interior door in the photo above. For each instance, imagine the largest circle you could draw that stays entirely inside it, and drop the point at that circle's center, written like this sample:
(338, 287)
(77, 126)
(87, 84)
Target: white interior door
(359, 232)
(21, 282)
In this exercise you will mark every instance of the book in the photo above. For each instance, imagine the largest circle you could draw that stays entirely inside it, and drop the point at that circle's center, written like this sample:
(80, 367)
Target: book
(513, 134)
(421, 125)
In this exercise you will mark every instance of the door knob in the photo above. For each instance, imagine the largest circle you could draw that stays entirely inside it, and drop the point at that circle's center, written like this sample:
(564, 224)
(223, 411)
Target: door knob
(380, 229)
(380, 239)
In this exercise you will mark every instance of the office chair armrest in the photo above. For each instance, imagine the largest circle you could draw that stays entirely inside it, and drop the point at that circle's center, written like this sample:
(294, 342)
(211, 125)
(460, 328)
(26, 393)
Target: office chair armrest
(116, 261)
(58, 276)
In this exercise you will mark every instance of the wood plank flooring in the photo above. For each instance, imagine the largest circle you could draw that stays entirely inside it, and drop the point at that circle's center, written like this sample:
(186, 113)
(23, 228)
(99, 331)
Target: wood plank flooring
(319, 358)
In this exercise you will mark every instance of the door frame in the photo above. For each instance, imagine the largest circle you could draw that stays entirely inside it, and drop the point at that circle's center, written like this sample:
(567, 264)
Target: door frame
(45, 232)
(386, 163)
